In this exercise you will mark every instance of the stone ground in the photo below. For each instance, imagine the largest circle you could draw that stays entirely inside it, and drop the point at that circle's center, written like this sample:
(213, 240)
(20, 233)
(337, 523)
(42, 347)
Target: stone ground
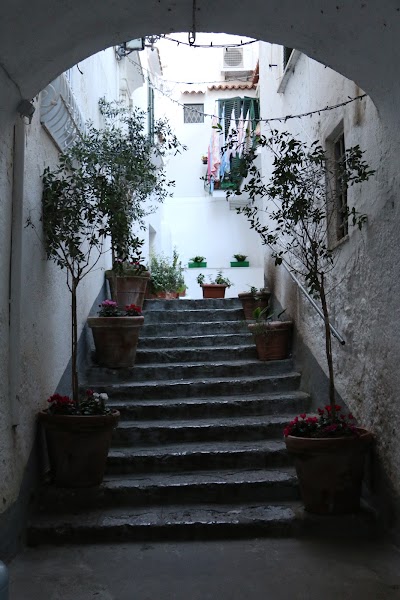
(261, 569)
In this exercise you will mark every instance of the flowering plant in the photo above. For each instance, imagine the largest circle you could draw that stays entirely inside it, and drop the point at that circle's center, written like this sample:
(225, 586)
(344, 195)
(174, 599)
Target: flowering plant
(109, 308)
(326, 424)
(92, 404)
(132, 310)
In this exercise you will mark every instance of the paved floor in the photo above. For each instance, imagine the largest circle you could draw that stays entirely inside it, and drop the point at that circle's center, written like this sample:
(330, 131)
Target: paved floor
(264, 569)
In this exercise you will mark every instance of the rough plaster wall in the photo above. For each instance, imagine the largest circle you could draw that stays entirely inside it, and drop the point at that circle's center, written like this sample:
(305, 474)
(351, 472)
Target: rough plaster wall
(7, 437)
(365, 284)
(45, 324)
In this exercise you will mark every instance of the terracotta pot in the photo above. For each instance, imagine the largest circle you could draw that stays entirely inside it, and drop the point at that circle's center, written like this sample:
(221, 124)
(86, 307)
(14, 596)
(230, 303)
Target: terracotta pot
(272, 339)
(116, 340)
(330, 471)
(167, 295)
(250, 303)
(128, 289)
(78, 447)
(213, 290)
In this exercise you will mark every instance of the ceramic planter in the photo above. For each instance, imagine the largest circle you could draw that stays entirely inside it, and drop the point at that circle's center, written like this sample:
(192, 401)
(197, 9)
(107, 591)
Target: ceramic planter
(213, 290)
(251, 302)
(128, 289)
(78, 446)
(330, 471)
(272, 339)
(115, 339)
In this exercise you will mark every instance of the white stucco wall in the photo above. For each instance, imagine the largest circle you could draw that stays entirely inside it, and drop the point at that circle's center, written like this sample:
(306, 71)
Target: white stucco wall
(45, 322)
(365, 284)
(193, 221)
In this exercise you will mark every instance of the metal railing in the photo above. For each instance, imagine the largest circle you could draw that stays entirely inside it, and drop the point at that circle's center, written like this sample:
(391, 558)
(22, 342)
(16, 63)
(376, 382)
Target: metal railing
(334, 331)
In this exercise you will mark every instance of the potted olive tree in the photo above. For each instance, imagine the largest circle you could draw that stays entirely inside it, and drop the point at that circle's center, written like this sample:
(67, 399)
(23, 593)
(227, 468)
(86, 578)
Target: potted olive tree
(78, 430)
(124, 162)
(292, 212)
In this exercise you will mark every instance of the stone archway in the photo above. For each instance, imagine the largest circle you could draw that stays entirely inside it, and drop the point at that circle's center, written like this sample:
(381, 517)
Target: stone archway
(40, 40)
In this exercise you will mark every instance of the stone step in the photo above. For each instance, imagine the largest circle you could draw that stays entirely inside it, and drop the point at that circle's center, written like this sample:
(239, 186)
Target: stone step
(195, 341)
(197, 521)
(198, 456)
(189, 371)
(223, 386)
(201, 487)
(193, 316)
(262, 404)
(192, 355)
(186, 304)
(200, 430)
(181, 328)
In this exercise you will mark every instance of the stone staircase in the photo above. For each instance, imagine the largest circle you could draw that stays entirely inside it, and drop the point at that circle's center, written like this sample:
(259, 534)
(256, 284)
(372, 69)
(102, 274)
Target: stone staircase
(198, 452)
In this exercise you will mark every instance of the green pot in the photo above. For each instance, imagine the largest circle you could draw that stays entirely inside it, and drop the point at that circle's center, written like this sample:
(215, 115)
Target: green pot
(243, 263)
(197, 265)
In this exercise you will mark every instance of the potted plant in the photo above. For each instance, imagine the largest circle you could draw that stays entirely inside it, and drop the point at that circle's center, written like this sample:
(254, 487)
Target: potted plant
(78, 431)
(166, 276)
(78, 438)
(197, 262)
(240, 261)
(301, 200)
(128, 282)
(271, 335)
(216, 287)
(255, 298)
(116, 334)
(204, 159)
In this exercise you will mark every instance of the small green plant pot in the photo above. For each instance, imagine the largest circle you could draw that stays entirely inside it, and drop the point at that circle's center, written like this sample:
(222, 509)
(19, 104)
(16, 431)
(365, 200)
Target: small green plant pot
(197, 265)
(242, 263)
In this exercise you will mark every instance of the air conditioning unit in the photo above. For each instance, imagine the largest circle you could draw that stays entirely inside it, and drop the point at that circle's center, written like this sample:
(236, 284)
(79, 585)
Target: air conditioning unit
(233, 59)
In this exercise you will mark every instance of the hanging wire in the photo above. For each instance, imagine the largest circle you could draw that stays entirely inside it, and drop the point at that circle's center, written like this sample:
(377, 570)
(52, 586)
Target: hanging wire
(282, 119)
(210, 45)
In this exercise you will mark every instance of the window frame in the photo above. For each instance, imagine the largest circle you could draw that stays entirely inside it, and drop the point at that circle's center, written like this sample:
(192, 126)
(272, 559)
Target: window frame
(337, 196)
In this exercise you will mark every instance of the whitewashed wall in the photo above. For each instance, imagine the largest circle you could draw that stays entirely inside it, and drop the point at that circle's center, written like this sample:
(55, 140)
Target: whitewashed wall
(45, 321)
(365, 285)
(192, 221)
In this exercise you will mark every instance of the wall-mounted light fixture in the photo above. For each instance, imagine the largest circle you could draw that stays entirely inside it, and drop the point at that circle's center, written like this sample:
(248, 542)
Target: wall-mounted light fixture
(26, 109)
(137, 45)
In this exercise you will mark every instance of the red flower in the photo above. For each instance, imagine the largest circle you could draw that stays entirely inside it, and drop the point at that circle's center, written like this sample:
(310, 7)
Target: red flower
(321, 411)
(338, 408)
(303, 415)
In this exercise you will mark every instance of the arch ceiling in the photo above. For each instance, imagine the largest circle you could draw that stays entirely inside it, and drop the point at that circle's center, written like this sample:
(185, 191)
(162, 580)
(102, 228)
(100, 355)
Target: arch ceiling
(358, 38)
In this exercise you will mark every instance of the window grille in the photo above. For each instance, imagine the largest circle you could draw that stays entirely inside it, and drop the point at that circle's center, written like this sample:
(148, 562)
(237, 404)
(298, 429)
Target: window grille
(193, 113)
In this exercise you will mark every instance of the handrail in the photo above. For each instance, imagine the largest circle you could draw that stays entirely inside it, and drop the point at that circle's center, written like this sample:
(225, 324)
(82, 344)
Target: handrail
(314, 304)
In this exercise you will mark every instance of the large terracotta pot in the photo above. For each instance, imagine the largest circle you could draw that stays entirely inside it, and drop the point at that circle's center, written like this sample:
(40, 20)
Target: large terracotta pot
(272, 339)
(128, 289)
(213, 290)
(116, 340)
(78, 447)
(251, 302)
(330, 471)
